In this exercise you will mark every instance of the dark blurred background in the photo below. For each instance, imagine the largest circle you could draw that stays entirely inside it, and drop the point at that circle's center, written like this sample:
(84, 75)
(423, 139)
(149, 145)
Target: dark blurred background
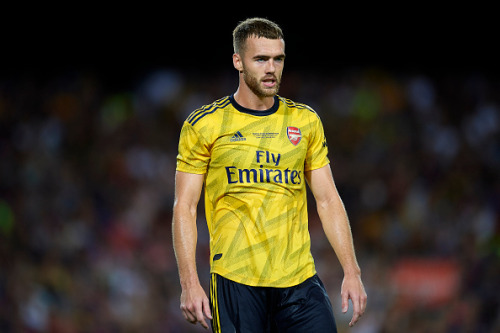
(91, 103)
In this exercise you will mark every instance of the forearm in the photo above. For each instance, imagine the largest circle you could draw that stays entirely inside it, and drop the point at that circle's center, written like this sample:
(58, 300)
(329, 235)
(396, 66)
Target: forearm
(335, 223)
(337, 229)
(184, 240)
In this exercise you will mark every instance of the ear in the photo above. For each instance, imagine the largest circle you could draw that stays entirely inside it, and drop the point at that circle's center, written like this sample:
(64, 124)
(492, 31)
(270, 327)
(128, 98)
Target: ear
(237, 62)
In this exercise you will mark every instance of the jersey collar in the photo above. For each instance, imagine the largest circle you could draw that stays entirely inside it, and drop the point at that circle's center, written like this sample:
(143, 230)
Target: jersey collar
(267, 112)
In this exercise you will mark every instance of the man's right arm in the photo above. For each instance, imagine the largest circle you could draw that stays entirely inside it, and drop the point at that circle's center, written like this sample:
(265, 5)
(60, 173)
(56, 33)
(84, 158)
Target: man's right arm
(194, 302)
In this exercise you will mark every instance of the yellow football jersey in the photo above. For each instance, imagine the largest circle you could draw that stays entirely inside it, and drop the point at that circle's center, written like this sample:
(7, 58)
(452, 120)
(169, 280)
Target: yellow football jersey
(255, 188)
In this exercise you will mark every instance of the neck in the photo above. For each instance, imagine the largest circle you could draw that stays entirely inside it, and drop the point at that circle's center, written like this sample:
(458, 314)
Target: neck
(246, 98)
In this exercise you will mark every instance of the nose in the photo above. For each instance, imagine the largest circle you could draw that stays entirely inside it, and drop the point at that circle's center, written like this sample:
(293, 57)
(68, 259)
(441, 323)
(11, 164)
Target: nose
(271, 68)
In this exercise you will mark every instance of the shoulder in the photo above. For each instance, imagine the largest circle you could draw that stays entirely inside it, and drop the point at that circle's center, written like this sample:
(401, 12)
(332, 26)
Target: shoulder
(205, 112)
(297, 106)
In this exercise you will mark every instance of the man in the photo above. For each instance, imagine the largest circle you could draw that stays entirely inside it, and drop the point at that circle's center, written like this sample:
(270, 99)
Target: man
(253, 151)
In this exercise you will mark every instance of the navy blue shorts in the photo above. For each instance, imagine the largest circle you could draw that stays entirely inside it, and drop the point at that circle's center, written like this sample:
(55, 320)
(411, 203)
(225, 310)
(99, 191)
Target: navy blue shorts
(240, 308)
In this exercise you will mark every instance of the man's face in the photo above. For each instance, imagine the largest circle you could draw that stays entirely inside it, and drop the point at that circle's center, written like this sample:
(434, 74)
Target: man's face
(262, 64)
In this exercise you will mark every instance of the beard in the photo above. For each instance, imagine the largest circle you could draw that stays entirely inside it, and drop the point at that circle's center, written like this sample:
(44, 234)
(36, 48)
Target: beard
(255, 85)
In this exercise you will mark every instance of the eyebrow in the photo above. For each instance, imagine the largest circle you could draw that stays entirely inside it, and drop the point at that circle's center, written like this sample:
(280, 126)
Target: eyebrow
(261, 56)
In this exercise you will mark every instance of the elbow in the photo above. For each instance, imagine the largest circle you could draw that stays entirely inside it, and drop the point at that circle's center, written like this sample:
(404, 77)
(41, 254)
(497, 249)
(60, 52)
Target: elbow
(330, 205)
(183, 209)
(325, 203)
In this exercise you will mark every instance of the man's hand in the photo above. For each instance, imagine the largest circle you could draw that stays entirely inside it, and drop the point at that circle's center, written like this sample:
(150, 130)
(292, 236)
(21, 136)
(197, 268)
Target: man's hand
(195, 306)
(353, 289)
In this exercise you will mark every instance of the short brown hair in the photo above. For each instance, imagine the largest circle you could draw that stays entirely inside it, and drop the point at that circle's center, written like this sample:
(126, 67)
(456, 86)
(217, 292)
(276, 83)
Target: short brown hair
(254, 27)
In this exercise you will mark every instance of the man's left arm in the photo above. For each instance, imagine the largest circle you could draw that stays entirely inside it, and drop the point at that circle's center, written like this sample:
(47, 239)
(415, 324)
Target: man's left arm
(336, 225)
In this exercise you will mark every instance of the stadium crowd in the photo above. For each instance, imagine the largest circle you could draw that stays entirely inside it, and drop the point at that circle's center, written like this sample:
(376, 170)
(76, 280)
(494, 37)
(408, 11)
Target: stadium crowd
(86, 194)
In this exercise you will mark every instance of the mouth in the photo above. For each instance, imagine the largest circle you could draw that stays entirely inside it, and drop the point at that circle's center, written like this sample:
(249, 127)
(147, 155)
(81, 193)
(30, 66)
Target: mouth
(269, 82)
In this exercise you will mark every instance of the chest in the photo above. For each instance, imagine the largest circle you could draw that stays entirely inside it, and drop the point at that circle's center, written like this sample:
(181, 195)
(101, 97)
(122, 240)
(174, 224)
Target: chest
(277, 142)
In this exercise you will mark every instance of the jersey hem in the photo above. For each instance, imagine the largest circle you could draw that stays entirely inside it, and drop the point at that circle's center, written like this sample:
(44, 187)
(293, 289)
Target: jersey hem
(261, 283)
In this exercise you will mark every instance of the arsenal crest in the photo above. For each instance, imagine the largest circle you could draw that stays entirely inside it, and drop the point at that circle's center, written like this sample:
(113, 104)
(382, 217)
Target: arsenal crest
(294, 135)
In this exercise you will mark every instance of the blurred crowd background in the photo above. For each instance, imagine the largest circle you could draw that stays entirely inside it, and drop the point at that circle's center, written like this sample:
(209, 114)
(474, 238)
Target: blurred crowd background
(87, 178)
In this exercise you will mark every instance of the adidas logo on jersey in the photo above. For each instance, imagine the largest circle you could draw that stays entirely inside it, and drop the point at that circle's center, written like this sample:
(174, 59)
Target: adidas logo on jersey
(237, 137)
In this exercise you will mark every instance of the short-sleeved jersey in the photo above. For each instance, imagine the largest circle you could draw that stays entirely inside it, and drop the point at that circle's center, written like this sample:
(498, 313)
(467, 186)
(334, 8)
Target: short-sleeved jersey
(255, 187)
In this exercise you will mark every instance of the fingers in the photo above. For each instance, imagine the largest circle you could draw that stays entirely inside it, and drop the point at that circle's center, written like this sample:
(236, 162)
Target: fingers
(199, 315)
(359, 306)
(206, 309)
(188, 315)
(353, 289)
(345, 301)
(356, 311)
(197, 311)
(364, 300)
